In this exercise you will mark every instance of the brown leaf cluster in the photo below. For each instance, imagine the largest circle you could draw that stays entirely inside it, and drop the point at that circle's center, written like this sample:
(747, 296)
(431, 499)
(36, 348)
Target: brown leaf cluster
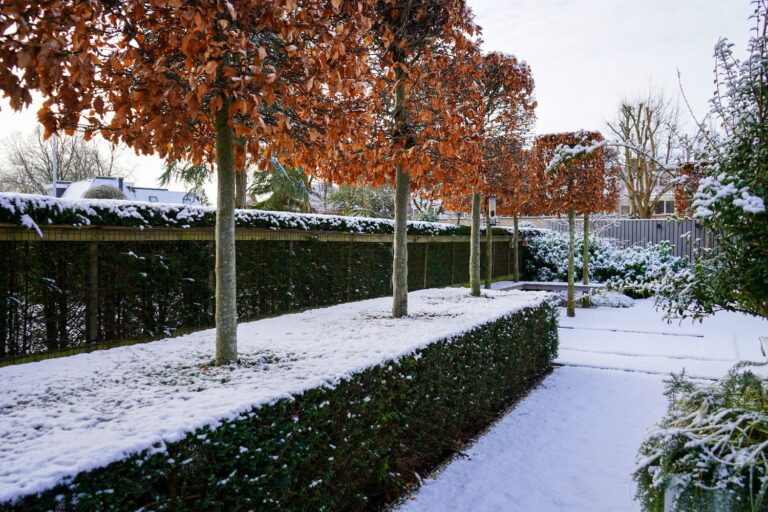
(152, 73)
(690, 177)
(582, 182)
(507, 108)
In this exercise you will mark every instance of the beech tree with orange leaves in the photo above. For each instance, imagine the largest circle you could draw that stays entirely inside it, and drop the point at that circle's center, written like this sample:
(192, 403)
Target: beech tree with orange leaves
(205, 81)
(521, 192)
(417, 133)
(687, 182)
(573, 165)
(507, 118)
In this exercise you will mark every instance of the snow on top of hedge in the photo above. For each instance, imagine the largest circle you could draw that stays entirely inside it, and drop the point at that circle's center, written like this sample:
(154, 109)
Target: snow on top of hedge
(33, 211)
(68, 415)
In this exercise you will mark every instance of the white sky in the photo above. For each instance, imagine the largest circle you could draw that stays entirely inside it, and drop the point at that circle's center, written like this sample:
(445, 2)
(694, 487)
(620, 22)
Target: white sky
(586, 55)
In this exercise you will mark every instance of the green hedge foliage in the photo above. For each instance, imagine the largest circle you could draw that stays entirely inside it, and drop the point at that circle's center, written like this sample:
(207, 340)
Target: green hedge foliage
(148, 290)
(355, 445)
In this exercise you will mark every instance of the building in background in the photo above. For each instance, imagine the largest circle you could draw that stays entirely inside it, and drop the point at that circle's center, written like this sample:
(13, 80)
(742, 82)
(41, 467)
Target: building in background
(75, 190)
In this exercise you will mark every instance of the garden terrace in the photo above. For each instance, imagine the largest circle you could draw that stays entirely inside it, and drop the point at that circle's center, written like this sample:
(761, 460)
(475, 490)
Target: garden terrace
(339, 421)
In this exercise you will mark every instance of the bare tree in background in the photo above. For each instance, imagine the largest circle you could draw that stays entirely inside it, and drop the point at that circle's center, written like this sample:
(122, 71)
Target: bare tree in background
(26, 166)
(648, 129)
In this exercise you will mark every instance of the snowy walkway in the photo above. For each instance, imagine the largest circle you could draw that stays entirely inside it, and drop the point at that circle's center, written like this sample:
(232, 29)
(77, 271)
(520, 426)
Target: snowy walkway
(571, 444)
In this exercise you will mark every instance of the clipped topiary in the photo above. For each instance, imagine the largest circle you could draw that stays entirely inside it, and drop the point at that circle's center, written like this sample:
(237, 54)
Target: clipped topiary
(104, 192)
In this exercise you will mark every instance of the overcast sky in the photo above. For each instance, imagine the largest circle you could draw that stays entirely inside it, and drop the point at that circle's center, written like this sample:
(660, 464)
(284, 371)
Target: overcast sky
(586, 55)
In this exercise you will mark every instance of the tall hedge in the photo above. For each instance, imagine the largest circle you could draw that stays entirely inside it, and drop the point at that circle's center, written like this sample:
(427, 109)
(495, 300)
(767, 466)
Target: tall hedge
(355, 446)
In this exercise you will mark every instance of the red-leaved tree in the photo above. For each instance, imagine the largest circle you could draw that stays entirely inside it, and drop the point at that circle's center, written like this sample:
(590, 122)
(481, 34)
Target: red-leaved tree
(205, 81)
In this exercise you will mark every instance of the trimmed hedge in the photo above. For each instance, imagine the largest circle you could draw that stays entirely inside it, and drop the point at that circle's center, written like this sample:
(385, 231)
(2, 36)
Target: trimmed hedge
(32, 211)
(353, 446)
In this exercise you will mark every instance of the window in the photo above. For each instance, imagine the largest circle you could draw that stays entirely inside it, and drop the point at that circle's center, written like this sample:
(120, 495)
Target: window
(665, 208)
(187, 199)
(152, 199)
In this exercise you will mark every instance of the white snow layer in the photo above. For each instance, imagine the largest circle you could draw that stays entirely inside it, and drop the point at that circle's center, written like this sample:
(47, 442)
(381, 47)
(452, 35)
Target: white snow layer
(638, 339)
(62, 416)
(569, 446)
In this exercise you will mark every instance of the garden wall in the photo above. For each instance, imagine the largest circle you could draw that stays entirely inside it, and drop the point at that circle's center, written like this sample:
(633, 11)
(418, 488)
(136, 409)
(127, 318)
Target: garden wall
(76, 274)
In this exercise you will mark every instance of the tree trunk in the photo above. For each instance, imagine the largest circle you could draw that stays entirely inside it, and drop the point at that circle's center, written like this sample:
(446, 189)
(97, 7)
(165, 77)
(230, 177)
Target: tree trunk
(226, 290)
(515, 250)
(570, 306)
(474, 247)
(488, 250)
(402, 196)
(585, 300)
(400, 245)
(241, 188)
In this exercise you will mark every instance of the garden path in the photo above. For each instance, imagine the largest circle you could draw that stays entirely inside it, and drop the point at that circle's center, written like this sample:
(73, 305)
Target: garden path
(571, 444)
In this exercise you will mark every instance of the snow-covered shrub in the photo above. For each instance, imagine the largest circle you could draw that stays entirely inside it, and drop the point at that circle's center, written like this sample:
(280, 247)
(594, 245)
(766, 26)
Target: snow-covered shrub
(733, 191)
(711, 448)
(633, 270)
(348, 445)
(610, 299)
(605, 299)
(34, 211)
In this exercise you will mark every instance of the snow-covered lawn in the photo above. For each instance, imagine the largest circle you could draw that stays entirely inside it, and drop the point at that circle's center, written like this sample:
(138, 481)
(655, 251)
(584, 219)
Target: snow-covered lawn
(571, 444)
(62, 416)
(638, 339)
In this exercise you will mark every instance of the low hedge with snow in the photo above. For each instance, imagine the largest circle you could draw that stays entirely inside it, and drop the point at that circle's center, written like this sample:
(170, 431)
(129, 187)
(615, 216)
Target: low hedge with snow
(33, 211)
(710, 451)
(632, 270)
(331, 409)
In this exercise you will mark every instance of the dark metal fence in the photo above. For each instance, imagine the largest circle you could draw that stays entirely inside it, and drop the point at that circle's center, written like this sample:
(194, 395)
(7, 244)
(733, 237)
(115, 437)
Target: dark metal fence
(61, 295)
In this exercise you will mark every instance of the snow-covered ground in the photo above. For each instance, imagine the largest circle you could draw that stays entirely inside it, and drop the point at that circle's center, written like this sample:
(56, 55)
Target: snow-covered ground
(571, 444)
(62, 416)
(638, 339)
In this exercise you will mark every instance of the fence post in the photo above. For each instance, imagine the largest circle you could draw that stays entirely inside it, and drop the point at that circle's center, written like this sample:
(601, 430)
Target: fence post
(426, 256)
(289, 276)
(453, 263)
(212, 280)
(92, 294)
(349, 271)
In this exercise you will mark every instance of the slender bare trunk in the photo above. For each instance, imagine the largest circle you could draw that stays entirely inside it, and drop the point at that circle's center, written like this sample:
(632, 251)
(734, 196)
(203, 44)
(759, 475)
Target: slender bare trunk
(515, 250)
(474, 247)
(488, 250)
(585, 301)
(570, 306)
(402, 195)
(241, 187)
(400, 245)
(226, 291)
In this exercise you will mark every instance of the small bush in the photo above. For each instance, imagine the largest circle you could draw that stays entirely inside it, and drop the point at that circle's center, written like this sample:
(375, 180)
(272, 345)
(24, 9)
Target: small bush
(354, 445)
(104, 192)
(711, 447)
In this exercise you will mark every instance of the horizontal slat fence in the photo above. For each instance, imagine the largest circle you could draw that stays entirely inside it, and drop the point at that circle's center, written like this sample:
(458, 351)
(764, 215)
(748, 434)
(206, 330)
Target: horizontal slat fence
(78, 289)
(645, 231)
